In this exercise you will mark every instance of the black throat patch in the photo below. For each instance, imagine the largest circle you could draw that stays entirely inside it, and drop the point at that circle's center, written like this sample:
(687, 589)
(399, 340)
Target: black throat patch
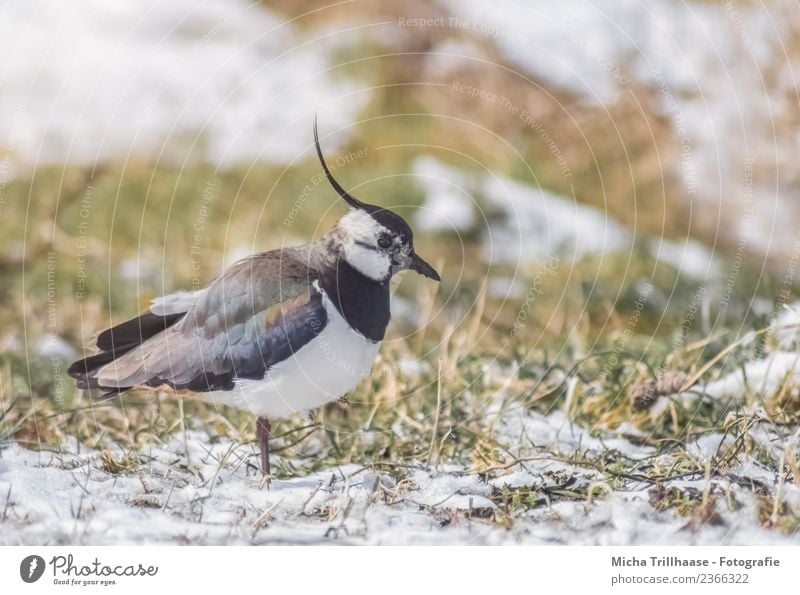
(362, 302)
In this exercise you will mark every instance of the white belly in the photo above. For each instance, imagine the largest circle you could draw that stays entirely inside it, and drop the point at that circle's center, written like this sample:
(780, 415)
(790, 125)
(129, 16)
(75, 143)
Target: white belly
(321, 371)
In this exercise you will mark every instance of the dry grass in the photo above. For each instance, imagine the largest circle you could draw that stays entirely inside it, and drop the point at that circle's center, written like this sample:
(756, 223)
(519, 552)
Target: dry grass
(577, 352)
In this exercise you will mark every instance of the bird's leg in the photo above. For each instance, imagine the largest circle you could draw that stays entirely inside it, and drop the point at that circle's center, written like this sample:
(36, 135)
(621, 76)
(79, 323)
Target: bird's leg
(262, 432)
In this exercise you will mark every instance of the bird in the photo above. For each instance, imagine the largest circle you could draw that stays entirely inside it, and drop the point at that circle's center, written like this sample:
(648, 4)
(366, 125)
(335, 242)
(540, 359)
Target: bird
(277, 332)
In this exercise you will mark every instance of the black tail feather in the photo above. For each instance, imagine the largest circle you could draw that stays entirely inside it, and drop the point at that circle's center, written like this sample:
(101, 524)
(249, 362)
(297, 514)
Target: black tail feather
(116, 342)
(127, 335)
(82, 370)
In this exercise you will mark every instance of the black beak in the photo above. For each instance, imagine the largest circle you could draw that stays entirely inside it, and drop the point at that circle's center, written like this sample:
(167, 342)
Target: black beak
(423, 268)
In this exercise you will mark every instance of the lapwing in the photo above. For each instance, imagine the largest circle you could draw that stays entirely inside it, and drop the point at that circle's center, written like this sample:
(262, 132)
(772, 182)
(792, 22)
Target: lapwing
(277, 332)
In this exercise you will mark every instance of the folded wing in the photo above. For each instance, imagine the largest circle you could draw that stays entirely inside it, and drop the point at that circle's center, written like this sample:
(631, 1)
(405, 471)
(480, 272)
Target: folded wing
(258, 313)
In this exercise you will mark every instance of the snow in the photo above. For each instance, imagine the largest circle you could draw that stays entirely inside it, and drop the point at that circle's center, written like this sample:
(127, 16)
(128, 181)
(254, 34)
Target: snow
(786, 326)
(53, 346)
(214, 497)
(533, 224)
(689, 257)
(449, 205)
(413, 368)
(556, 433)
(762, 377)
(536, 223)
(223, 78)
(506, 287)
(551, 40)
(719, 70)
(707, 446)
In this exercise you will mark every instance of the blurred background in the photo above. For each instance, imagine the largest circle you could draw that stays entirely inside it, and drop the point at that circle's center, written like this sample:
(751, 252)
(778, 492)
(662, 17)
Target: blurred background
(608, 188)
(571, 167)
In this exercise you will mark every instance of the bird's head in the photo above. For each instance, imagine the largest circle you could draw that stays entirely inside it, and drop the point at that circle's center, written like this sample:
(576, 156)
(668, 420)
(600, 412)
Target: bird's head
(374, 240)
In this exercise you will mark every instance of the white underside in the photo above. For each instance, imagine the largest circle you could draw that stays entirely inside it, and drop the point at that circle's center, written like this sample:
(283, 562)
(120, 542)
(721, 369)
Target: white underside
(320, 372)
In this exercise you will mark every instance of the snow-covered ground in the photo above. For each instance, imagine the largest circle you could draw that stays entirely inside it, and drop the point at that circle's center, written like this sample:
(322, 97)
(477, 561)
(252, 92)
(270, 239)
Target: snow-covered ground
(523, 223)
(67, 498)
(214, 80)
(721, 73)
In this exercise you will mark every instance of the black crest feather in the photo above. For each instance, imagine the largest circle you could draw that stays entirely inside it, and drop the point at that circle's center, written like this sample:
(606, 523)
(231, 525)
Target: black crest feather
(349, 198)
(383, 215)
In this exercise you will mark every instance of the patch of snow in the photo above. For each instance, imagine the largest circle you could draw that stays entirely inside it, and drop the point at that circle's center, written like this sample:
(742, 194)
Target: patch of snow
(62, 498)
(720, 70)
(495, 373)
(771, 440)
(764, 376)
(451, 490)
(448, 206)
(539, 224)
(691, 258)
(54, 346)
(556, 42)
(404, 309)
(506, 287)
(752, 469)
(761, 306)
(534, 224)
(557, 433)
(707, 446)
(412, 367)
(786, 326)
(134, 269)
(98, 80)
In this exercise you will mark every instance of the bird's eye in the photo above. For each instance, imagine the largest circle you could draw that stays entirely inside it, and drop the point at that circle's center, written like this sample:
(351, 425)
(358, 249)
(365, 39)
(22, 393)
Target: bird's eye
(385, 240)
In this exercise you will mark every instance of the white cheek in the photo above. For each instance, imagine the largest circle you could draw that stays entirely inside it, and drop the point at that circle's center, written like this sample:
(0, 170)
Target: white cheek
(371, 263)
